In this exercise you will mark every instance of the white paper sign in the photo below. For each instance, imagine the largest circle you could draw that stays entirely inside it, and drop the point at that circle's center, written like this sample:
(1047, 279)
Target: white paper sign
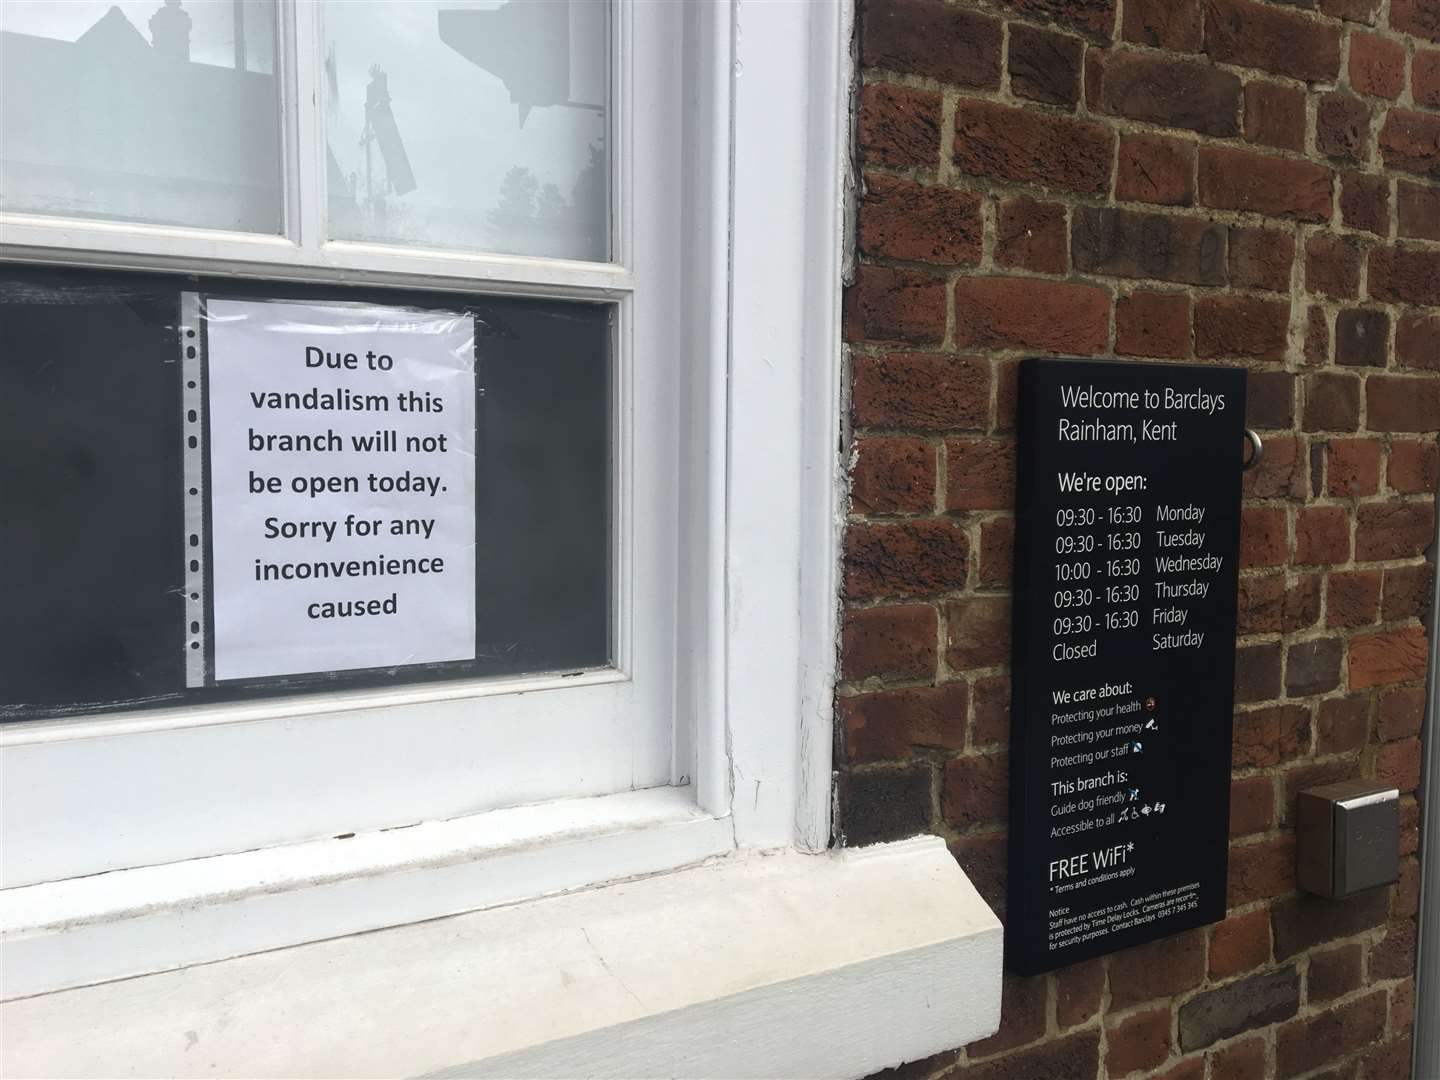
(342, 486)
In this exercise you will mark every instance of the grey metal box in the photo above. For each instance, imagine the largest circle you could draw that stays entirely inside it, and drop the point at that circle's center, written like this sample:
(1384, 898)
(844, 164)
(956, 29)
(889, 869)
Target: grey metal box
(1347, 838)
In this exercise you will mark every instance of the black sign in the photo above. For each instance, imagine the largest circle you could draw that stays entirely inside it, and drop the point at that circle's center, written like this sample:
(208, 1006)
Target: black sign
(1126, 551)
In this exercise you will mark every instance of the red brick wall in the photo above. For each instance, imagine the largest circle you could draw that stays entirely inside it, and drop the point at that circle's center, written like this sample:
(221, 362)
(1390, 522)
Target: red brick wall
(1232, 182)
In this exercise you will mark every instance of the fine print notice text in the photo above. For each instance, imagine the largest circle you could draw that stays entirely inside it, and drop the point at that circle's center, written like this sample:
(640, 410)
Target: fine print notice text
(342, 486)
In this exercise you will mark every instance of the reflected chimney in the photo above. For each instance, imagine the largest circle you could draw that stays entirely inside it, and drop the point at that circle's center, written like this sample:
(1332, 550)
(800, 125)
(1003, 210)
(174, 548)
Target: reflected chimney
(170, 31)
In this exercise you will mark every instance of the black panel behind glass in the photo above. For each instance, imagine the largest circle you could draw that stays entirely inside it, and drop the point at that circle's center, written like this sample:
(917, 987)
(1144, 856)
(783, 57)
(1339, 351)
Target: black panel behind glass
(91, 497)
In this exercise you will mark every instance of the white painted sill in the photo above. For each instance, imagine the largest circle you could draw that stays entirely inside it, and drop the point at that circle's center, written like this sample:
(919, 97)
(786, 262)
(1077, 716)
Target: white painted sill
(752, 964)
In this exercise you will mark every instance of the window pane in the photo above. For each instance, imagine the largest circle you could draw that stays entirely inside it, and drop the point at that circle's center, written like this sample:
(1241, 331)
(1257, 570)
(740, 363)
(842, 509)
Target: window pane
(92, 482)
(165, 113)
(478, 125)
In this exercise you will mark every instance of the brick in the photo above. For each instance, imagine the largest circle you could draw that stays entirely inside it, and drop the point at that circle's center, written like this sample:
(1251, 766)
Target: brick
(1417, 208)
(1031, 235)
(1388, 1060)
(1252, 810)
(1360, 11)
(1243, 1060)
(1057, 316)
(900, 219)
(1342, 724)
(1030, 147)
(1418, 17)
(927, 37)
(912, 558)
(1268, 605)
(1313, 667)
(1388, 657)
(1308, 1043)
(1362, 337)
(1172, 93)
(1410, 142)
(990, 710)
(1240, 943)
(1332, 265)
(1317, 337)
(1173, 25)
(1094, 18)
(985, 860)
(1184, 1069)
(1414, 466)
(1417, 341)
(1074, 1057)
(900, 642)
(1078, 991)
(1266, 737)
(1405, 905)
(1022, 1016)
(1156, 970)
(1304, 921)
(1398, 764)
(1402, 403)
(1333, 973)
(893, 475)
(1140, 1041)
(892, 804)
(975, 789)
(1257, 672)
(1006, 389)
(977, 632)
(926, 391)
(1401, 713)
(1261, 870)
(1365, 202)
(997, 551)
(1155, 169)
(895, 305)
(1332, 402)
(1407, 592)
(1044, 66)
(1352, 598)
(1262, 184)
(1261, 258)
(1270, 403)
(1275, 115)
(1153, 324)
(1262, 537)
(1409, 825)
(1377, 65)
(1352, 467)
(888, 725)
(1245, 1005)
(1124, 243)
(981, 474)
(1251, 35)
(1322, 535)
(1405, 275)
(1425, 78)
(1241, 326)
(898, 126)
(1342, 127)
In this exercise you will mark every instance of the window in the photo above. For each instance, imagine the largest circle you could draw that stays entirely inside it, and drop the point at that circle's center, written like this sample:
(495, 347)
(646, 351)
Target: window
(169, 169)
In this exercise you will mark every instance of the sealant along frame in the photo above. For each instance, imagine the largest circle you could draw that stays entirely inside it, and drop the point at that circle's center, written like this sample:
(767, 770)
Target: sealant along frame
(198, 796)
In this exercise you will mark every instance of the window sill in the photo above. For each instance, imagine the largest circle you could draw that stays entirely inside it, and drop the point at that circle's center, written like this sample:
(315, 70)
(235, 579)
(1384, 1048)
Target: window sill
(755, 965)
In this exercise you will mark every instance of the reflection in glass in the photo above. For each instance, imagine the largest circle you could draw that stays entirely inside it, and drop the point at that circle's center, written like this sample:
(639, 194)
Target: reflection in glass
(477, 125)
(149, 111)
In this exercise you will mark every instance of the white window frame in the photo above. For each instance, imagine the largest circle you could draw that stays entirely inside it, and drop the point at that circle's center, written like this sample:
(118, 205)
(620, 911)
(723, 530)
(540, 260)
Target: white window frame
(756, 489)
(247, 775)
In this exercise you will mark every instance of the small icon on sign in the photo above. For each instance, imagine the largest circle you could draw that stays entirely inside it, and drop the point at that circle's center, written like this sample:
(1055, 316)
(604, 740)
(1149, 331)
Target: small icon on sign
(1150, 704)
(1150, 725)
(1137, 747)
(1159, 808)
(1124, 815)
(1145, 810)
(1130, 846)
(1134, 794)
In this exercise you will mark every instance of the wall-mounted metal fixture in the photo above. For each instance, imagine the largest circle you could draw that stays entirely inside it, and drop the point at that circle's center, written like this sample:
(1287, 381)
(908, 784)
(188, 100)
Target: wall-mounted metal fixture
(1347, 838)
